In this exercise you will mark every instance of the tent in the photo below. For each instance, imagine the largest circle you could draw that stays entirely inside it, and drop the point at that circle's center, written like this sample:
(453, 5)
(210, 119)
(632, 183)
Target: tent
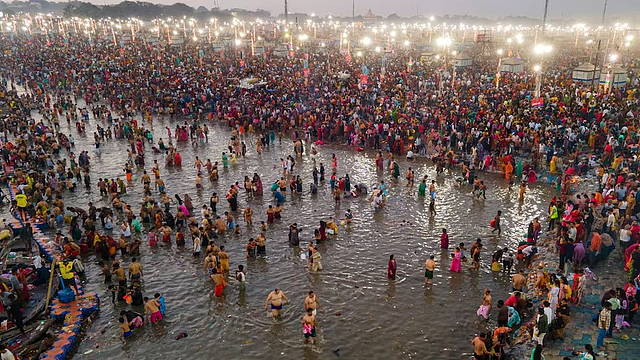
(512, 65)
(615, 74)
(462, 60)
(585, 73)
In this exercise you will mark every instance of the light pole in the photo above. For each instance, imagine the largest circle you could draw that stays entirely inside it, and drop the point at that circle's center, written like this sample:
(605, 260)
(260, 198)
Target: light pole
(453, 77)
(444, 42)
(499, 65)
(541, 50)
(538, 81)
(611, 75)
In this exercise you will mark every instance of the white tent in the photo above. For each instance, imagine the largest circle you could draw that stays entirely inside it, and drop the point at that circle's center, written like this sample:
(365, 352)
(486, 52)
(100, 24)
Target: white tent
(462, 60)
(280, 51)
(585, 73)
(512, 65)
(176, 40)
(614, 74)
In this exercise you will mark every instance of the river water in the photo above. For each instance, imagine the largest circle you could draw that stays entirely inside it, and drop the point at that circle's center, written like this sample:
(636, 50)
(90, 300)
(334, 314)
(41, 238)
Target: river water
(363, 314)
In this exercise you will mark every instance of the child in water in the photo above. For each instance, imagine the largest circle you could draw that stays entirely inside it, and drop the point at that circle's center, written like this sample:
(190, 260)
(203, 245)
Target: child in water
(125, 330)
(348, 216)
(432, 207)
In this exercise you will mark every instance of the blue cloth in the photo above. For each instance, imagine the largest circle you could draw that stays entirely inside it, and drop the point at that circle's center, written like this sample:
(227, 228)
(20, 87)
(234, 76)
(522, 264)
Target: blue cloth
(163, 307)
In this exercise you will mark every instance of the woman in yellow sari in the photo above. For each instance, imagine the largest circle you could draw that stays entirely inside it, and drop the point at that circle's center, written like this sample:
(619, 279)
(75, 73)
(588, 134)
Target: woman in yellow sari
(552, 164)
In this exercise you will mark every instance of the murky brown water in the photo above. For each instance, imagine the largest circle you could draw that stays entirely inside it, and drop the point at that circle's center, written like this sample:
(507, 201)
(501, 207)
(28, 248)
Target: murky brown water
(363, 314)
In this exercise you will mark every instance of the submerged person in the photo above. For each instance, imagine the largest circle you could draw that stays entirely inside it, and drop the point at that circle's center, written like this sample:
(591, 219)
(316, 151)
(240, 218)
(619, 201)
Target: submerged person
(391, 268)
(485, 307)
(134, 319)
(125, 330)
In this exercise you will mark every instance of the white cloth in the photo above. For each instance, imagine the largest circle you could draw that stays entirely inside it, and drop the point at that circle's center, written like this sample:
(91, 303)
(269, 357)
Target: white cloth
(7, 355)
(550, 315)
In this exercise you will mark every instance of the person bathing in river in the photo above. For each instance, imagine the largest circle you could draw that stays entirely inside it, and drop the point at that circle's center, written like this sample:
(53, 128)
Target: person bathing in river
(485, 307)
(275, 299)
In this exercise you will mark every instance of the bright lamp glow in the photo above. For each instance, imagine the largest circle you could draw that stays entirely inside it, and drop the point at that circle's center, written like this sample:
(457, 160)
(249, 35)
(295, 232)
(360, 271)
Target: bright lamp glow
(542, 49)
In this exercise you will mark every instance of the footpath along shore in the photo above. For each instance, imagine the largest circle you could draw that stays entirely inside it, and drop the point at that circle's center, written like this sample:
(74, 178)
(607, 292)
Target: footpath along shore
(581, 330)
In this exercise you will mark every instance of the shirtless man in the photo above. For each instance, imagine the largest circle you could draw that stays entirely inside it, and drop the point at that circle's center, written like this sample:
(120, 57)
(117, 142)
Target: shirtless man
(152, 310)
(519, 281)
(210, 262)
(312, 302)
(429, 266)
(248, 212)
(479, 347)
(275, 298)
(218, 280)
(309, 326)
(135, 271)
(485, 308)
(260, 244)
(160, 185)
(146, 180)
(224, 260)
(220, 225)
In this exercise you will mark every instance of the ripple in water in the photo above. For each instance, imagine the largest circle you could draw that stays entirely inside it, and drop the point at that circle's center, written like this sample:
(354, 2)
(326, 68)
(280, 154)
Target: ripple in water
(362, 314)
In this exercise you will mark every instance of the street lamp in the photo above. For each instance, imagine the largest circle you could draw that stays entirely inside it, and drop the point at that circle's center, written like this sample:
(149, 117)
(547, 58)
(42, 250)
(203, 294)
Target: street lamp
(611, 74)
(366, 41)
(499, 66)
(537, 69)
(540, 49)
(444, 42)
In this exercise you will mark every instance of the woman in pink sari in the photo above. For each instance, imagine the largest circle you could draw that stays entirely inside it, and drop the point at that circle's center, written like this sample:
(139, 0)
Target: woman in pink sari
(456, 262)
(391, 269)
(444, 239)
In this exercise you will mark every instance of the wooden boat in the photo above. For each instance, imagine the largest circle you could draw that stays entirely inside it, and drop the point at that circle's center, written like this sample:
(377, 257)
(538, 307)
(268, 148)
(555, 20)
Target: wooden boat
(36, 304)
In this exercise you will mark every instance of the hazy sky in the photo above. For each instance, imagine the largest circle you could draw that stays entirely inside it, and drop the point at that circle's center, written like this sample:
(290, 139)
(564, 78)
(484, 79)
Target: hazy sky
(577, 9)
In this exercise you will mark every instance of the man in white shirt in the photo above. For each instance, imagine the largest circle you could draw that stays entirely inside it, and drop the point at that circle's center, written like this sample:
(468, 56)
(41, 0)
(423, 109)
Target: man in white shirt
(5, 354)
(548, 311)
(572, 232)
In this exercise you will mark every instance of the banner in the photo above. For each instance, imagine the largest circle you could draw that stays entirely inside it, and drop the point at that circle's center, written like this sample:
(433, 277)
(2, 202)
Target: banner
(537, 102)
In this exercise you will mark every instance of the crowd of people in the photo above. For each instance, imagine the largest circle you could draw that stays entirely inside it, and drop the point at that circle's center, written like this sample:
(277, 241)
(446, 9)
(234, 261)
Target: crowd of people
(467, 126)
